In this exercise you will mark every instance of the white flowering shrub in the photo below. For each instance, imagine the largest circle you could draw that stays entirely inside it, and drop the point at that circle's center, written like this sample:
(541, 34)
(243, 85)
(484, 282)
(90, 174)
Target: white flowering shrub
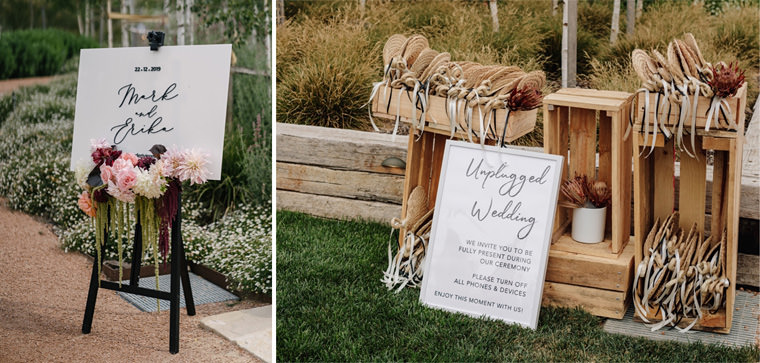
(239, 246)
(36, 128)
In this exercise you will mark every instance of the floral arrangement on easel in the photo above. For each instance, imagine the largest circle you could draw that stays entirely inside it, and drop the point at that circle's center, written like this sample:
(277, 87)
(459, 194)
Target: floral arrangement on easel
(122, 187)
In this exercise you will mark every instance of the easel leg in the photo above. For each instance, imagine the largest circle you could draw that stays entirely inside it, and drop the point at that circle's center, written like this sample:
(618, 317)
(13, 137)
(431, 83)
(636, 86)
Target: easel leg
(175, 274)
(92, 295)
(189, 302)
(134, 277)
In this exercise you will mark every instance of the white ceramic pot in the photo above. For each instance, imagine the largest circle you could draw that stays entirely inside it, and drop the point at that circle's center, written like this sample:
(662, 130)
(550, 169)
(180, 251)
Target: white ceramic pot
(588, 224)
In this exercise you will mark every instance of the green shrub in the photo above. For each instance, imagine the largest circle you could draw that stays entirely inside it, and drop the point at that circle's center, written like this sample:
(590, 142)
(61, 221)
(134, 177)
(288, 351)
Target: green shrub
(322, 88)
(37, 52)
(247, 160)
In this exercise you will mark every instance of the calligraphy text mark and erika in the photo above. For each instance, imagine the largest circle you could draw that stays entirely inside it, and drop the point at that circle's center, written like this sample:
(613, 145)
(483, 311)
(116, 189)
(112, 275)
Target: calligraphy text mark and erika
(131, 97)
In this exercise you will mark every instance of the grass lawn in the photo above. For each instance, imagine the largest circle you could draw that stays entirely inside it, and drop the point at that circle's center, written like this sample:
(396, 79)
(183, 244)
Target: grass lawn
(331, 306)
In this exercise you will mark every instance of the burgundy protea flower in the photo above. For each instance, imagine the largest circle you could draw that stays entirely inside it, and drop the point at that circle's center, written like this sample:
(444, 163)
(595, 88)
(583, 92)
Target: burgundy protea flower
(726, 80)
(145, 162)
(524, 99)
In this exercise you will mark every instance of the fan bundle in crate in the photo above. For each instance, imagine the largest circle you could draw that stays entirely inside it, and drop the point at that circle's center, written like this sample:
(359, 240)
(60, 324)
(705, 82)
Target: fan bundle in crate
(682, 92)
(680, 275)
(423, 86)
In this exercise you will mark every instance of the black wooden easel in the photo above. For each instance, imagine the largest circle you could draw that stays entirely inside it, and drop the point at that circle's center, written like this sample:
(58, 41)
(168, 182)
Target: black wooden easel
(178, 270)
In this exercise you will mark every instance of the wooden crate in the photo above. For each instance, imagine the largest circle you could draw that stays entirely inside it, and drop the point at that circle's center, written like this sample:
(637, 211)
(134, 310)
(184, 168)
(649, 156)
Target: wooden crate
(595, 276)
(737, 102)
(655, 196)
(570, 129)
(387, 104)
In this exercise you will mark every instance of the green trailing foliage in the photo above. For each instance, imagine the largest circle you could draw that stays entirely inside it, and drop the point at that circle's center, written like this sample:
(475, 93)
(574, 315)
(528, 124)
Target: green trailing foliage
(36, 52)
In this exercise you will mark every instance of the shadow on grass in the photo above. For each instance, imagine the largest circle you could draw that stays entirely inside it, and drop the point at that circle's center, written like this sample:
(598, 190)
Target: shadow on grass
(331, 306)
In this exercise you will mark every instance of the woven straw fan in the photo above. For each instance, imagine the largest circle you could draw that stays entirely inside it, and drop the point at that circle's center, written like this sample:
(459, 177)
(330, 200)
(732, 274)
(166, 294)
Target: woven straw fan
(692, 44)
(639, 60)
(422, 62)
(674, 64)
(415, 46)
(392, 47)
(533, 80)
(440, 60)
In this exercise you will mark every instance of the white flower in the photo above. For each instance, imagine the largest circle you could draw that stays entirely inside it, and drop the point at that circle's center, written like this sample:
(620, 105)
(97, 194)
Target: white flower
(81, 172)
(150, 183)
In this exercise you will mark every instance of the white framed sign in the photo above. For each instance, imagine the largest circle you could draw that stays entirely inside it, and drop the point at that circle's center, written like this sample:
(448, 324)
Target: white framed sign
(491, 232)
(136, 98)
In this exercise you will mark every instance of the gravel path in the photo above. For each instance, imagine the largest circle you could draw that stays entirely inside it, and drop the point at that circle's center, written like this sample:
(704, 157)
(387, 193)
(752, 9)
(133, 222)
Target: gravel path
(10, 85)
(42, 298)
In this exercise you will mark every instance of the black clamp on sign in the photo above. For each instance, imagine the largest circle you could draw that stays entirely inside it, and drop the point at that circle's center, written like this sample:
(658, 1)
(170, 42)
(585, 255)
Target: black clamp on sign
(156, 39)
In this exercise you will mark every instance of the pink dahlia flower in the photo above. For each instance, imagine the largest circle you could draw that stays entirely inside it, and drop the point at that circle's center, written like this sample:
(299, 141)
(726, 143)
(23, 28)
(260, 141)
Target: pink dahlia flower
(172, 160)
(194, 167)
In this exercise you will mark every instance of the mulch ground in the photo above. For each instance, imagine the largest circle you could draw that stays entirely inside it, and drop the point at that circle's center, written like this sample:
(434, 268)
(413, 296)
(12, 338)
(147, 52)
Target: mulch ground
(43, 292)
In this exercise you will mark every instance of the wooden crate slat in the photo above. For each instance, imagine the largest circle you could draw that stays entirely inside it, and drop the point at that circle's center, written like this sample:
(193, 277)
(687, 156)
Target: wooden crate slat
(584, 102)
(387, 104)
(736, 103)
(582, 134)
(718, 202)
(605, 272)
(692, 189)
(615, 95)
(663, 187)
(732, 221)
(600, 302)
(605, 161)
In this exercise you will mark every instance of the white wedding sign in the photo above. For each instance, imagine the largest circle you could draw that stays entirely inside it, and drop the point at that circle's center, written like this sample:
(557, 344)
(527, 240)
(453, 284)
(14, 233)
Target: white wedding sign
(491, 232)
(136, 98)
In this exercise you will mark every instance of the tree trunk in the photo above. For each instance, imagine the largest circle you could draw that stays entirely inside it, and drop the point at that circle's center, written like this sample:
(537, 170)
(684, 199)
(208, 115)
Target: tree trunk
(31, 15)
(494, 15)
(110, 24)
(555, 6)
(190, 21)
(569, 42)
(167, 14)
(124, 32)
(78, 9)
(101, 20)
(280, 12)
(92, 20)
(42, 15)
(615, 21)
(362, 6)
(630, 16)
(87, 18)
(180, 22)
(639, 8)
